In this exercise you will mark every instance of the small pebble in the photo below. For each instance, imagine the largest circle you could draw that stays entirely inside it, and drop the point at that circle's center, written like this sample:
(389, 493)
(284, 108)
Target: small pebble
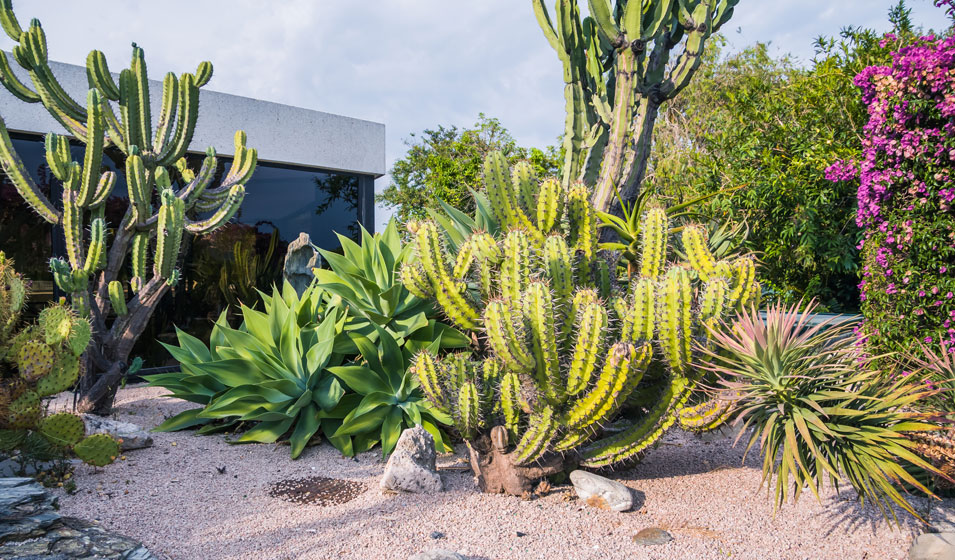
(437, 535)
(520, 534)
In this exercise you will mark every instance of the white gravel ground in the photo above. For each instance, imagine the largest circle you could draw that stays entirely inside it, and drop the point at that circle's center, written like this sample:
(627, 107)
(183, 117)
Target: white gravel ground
(172, 498)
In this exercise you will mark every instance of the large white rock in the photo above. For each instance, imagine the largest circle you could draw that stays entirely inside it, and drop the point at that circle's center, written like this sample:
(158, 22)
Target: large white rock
(438, 554)
(933, 546)
(411, 467)
(129, 435)
(601, 492)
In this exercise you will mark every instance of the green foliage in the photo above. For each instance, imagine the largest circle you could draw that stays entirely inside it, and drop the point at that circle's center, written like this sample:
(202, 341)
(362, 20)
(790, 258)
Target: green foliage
(770, 127)
(390, 399)
(38, 361)
(280, 369)
(96, 252)
(565, 352)
(817, 410)
(445, 163)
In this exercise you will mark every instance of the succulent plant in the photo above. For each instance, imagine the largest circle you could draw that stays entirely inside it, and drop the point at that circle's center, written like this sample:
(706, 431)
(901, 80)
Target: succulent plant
(153, 156)
(819, 410)
(567, 350)
(391, 399)
(36, 362)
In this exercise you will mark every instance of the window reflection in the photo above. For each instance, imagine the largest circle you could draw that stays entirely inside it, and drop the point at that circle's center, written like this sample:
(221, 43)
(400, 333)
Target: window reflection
(221, 269)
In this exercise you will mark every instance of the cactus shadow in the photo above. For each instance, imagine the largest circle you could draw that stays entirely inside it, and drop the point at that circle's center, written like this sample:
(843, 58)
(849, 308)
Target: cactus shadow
(847, 513)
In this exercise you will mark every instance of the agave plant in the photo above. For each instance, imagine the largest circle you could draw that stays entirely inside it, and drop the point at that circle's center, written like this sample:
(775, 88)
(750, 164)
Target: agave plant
(364, 280)
(391, 398)
(273, 371)
(816, 408)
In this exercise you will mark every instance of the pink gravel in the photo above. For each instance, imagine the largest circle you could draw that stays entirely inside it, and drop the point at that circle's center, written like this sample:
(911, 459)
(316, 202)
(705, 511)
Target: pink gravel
(172, 498)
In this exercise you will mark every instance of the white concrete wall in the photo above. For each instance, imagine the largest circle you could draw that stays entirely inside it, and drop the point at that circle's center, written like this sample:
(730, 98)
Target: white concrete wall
(280, 133)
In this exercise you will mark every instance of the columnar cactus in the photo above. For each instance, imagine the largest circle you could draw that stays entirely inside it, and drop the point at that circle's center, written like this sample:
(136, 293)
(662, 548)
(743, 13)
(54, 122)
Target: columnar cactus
(617, 73)
(567, 352)
(39, 361)
(160, 213)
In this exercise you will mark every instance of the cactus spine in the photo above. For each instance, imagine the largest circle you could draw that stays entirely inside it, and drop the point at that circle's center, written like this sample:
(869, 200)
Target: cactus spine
(565, 359)
(118, 115)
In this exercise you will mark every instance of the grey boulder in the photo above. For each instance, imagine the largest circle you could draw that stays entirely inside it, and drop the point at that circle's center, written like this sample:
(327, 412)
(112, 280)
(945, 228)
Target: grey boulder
(411, 467)
(933, 546)
(128, 434)
(601, 492)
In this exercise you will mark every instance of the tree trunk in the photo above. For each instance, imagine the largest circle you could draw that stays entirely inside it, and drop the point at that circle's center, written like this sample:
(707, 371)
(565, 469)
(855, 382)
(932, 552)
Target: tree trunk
(629, 166)
(107, 358)
(495, 471)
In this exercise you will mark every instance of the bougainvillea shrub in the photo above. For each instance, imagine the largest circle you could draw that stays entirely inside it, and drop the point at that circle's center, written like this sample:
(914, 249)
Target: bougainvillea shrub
(906, 197)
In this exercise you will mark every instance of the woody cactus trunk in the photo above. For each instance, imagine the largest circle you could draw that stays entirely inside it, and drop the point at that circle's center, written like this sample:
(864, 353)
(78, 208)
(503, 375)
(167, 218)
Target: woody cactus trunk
(572, 368)
(617, 72)
(160, 210)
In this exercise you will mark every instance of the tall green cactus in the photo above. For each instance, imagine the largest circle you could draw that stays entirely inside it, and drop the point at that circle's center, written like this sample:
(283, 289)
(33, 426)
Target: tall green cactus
(617, 72)
(570, 358)
(96, 251)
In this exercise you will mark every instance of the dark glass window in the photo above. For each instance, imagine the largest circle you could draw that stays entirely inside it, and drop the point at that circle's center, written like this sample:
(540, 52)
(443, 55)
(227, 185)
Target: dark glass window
(220, 269)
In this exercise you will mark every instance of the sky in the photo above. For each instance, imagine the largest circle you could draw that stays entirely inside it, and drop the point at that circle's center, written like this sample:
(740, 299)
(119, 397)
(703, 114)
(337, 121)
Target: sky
(410, 64)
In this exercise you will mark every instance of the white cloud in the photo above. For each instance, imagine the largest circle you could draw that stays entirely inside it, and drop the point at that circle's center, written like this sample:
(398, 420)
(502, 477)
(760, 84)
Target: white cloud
(411, 64)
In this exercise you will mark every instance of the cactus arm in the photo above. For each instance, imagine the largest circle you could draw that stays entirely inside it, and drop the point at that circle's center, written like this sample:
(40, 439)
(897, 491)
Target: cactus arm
(16, 171)
(103, 189)
(542, 428)
(515, 264)
(93, 155)
(467, 413)
(413, 278)
(698, 253)
(510, 403)
(653, 243)
(13, 84)
(550, 206)
(139, 260)
(8, 20)
(140, 90)
(583, 221)
(137, 185)
(558, 263)
(591, 325)
(621, 373)
(428, 371)
(225, 212)
(632, 441)
(447, 292)
(601, 12)
(543, 19)
(168, 234)
(525, 184)
(203, 73)
(539, 312)
(73, 220)
(185, 121)
(674, 319)
(117, 298)
(96, 255)
(167, 111)
(507, 336)
(58, 156)
(99, 77)
(644, 310)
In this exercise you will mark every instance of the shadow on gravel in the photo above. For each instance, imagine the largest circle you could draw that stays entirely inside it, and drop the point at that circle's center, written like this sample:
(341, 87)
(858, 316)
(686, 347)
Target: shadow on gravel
(847, 513)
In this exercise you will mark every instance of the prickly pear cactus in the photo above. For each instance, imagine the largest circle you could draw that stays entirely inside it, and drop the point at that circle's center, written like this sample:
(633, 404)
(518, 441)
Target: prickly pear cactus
(39, 361)
(568, 350)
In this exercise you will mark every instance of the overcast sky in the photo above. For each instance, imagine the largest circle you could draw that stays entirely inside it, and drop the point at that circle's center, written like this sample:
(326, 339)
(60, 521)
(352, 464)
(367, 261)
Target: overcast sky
(410, 64)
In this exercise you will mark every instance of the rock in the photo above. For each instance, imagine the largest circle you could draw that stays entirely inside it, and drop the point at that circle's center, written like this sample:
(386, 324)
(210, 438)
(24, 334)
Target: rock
(437, 535)
(933, 546)
(300, 259)
(130, 435)
(438, 554)
(942, 518)
(411, 467)
(30, 529)
(652, 536)
(601, 492)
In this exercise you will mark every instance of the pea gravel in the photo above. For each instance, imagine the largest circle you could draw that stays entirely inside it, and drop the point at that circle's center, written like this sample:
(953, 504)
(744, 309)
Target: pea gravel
(190, 497)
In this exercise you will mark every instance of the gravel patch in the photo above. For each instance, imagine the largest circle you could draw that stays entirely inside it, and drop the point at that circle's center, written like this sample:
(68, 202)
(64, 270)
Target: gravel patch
(193, 496)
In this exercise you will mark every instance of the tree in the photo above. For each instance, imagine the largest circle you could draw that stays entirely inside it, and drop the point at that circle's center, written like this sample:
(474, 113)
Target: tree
(446, 163)
(771, 127)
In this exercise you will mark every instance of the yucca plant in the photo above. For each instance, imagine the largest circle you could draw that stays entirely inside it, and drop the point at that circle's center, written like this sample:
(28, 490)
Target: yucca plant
(938, 447)
(272, 371)
(817, 410)
(391, 398)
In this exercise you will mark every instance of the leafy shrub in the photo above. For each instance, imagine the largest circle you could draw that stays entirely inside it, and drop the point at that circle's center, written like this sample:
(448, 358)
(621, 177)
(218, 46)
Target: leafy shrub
(906, 197)
(815, 408)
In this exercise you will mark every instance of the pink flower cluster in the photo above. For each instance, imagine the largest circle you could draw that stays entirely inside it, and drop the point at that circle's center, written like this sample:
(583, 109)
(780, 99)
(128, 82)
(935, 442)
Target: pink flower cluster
(906, 193)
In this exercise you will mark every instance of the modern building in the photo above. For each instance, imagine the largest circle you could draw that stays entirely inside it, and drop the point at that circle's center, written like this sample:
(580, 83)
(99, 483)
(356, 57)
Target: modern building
(315, 174)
